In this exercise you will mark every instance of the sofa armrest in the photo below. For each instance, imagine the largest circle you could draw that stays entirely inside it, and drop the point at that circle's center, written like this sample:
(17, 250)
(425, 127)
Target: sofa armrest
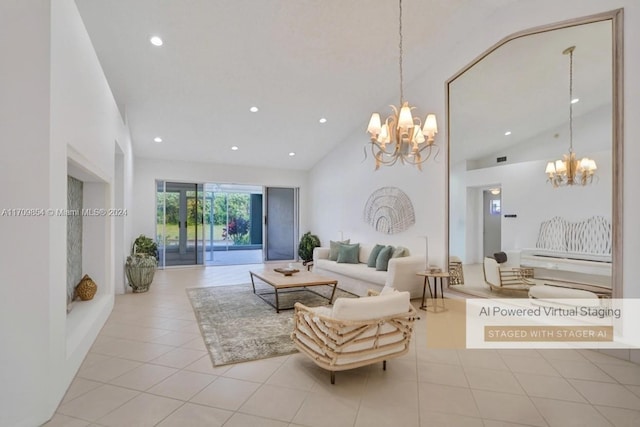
(320, 253)
(401, 274)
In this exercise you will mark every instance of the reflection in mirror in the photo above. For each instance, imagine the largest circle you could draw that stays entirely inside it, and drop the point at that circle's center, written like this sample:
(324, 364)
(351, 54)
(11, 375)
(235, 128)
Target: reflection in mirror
(509, 116)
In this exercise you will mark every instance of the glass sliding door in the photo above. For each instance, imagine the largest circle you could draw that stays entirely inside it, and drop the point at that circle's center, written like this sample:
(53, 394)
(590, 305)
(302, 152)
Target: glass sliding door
(180, 230)
(235, 233)
(281, 223)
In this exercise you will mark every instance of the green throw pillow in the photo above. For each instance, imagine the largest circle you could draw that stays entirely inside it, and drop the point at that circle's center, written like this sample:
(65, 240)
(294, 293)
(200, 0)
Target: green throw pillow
(373, 256)
(382, 262)
(334, 247)
(400, 252)
(348, 254)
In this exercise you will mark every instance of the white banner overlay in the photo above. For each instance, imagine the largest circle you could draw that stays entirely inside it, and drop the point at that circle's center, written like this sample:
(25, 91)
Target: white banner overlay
(553, 323)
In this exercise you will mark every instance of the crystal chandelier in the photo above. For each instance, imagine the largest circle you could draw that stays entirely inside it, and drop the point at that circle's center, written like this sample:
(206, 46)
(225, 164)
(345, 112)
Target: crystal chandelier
(402, 136)
(569, 170)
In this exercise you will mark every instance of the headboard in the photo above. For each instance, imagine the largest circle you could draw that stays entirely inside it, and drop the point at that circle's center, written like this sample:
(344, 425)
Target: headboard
(590, 236)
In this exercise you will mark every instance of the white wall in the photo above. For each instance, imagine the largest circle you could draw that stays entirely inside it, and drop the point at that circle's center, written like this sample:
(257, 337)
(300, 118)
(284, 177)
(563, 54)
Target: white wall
(147, 171)
(342, 183)
(525, 193)
(25, 257)
(56, 103)
(340, 180)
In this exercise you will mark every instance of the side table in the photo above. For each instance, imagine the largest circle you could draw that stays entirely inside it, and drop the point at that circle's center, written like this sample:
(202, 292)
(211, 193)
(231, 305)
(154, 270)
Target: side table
(435, 275)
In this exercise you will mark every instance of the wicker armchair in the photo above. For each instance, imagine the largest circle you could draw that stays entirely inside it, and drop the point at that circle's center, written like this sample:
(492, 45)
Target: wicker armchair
(355, 332)
(500, 277)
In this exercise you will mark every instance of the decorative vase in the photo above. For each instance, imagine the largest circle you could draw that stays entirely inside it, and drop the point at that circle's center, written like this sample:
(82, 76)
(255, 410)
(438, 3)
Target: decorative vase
(140, 271)
(86, 288)
(140, 278)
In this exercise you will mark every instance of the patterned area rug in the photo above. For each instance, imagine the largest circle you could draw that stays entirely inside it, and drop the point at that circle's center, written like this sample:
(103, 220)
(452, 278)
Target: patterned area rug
(238, 326)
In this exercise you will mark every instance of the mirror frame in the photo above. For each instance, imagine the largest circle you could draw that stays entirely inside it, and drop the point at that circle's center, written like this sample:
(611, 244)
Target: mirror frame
(617, 142)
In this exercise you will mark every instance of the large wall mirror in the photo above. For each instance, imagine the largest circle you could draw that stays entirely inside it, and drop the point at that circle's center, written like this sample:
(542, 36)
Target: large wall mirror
(510, 113)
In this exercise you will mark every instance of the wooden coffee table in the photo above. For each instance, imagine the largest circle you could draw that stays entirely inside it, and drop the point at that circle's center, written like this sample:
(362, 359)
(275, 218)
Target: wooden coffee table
(301, 279)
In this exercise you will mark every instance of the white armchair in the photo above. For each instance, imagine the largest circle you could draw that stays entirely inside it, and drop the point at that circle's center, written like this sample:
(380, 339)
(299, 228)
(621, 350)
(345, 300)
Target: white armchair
(355, 332)
(500, 277)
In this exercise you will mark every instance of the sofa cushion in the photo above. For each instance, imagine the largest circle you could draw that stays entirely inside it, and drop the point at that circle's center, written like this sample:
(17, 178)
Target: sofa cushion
(334, 248)
(371, 307)
(348, 254)
(359, 272)
(382, 261)
(400, 252)
(373, 256)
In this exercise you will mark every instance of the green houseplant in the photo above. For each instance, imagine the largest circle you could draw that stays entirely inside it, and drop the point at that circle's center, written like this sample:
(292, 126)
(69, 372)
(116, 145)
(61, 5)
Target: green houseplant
(141, 264)
(305, 249)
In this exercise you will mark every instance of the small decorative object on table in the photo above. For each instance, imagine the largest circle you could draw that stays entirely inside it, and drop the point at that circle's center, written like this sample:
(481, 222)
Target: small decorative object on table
(86, 288)
(286, 271)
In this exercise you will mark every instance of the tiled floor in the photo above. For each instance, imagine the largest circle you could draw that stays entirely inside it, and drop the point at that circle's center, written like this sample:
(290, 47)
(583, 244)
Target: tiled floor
(149, 367)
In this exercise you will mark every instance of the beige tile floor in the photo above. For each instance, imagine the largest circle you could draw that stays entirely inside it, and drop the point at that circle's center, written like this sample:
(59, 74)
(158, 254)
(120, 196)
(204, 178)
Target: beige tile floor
(149, 367)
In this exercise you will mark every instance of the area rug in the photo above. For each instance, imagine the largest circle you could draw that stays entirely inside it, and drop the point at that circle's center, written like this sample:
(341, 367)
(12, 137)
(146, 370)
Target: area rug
(238, 326)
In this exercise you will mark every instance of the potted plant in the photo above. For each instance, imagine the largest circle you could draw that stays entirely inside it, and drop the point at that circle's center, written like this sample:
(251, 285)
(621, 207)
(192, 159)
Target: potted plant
(305, 249)
(141, 264)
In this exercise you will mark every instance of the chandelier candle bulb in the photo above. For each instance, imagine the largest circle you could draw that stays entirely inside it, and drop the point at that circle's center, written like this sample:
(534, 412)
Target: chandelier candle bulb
(405, 120)
(374, 125)
(430, 127)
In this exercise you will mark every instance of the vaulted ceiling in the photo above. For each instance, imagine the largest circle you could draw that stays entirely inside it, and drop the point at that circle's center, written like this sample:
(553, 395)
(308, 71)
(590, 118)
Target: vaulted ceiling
(296, 60)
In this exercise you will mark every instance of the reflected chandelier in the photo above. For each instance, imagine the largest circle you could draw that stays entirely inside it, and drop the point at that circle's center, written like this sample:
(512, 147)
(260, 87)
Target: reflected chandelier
(402, 137)
(569, 170)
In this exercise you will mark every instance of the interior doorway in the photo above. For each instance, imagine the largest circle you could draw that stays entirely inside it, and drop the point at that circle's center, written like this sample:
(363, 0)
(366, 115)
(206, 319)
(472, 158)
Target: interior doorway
(281, 223)
(492, 221)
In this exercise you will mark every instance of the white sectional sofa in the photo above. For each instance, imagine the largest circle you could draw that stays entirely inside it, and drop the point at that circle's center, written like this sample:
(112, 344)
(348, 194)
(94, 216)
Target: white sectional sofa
(359, 278)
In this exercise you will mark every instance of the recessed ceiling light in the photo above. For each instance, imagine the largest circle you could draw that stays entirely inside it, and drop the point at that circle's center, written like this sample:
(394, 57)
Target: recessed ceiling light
(234, 148)
(156, 41)
(157, 139)
(507, 133)
(575, 100)
(323, 120)
(253, 109)
(291, 154)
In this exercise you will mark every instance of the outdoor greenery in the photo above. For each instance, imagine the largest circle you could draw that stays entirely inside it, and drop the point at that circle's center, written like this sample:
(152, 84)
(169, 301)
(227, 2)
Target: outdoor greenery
(230, 216)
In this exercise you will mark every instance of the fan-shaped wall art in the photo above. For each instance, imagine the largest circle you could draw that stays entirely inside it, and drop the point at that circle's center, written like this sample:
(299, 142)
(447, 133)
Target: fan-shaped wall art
(389, 210)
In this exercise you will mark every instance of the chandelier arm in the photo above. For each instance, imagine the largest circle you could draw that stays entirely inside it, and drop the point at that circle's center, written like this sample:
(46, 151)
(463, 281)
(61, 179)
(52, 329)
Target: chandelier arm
(418, 155)
(380, 154)
(387, 162)
(437, 151)
(377, 145)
